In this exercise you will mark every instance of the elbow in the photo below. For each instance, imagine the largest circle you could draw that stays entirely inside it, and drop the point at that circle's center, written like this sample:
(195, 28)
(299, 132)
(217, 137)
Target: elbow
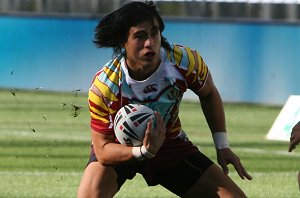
(102, 158)
(104, 162)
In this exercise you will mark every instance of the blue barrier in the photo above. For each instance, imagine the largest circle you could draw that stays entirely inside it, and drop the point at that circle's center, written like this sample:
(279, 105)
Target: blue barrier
(250, 62)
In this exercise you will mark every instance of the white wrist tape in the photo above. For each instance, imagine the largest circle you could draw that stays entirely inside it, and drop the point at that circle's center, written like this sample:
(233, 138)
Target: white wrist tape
(140, 153)
(146, 153)
(220, 140)
(137, 154)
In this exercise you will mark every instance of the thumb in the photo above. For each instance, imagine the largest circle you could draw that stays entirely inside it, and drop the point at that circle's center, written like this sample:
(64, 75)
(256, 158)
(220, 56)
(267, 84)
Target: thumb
(291, 147)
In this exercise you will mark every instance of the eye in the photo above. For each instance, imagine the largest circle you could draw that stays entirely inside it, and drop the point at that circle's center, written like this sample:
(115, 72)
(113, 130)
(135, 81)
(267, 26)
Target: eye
(154, 33)
(141, 35)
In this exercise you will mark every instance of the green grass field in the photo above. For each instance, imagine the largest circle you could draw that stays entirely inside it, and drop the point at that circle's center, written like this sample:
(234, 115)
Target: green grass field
(44, 147)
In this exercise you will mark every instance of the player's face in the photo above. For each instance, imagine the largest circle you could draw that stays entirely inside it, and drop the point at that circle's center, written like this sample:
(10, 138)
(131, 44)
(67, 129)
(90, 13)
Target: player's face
(143, 47)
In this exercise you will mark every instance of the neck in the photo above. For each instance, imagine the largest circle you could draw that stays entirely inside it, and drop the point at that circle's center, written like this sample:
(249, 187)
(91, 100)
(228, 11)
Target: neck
(141, 72)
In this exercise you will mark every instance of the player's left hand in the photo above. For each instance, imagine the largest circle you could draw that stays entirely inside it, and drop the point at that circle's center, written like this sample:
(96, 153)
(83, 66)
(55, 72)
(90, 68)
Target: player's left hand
(225, 157)
(295, 137)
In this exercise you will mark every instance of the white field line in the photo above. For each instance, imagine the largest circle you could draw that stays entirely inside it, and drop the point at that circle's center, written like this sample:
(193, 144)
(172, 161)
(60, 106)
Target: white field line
(263, 151)
(43, 173)
(84, 137)
(36, 173)
(54, 136)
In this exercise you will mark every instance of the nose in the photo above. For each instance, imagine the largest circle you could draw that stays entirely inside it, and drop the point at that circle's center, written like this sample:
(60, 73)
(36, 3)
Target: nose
(149, 41)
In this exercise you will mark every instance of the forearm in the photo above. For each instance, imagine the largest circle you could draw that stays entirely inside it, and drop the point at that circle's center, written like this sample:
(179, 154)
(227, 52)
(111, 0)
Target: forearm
(108, 152)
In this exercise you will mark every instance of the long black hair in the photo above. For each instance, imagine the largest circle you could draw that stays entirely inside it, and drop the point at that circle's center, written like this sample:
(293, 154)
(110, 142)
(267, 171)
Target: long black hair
(112, 30)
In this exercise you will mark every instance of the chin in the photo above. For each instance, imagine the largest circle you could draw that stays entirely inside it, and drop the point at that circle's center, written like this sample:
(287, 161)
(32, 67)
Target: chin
(152, 60)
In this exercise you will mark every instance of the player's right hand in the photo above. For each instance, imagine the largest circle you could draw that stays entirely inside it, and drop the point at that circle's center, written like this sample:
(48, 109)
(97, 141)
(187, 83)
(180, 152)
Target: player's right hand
(155, 136)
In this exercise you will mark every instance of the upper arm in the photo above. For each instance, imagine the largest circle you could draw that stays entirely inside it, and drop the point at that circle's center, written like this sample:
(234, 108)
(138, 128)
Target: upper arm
(208, 87)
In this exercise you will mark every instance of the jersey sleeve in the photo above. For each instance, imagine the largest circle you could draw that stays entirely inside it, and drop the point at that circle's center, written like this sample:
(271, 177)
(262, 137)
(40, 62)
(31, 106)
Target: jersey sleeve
(103, 100)
(191, 66)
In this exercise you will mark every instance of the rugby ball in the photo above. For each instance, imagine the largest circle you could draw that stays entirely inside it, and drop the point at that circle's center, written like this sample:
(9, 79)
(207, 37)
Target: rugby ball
(130, 124)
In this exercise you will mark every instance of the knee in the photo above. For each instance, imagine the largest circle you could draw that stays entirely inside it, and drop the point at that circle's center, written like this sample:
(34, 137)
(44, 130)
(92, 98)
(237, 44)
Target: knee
(85, 189)
(90, 189)
(98, 181)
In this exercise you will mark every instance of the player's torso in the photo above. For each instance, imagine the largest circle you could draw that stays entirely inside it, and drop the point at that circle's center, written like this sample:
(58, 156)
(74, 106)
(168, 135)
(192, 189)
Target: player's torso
(162, 91)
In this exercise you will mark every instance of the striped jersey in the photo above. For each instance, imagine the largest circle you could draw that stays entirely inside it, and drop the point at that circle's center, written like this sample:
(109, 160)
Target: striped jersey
(181, 68)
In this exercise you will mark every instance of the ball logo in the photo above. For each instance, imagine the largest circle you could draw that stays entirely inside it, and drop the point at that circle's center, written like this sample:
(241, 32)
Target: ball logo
(150, 88)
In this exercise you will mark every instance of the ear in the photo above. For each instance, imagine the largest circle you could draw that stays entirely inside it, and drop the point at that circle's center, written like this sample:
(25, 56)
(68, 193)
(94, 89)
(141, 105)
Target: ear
(122, 45)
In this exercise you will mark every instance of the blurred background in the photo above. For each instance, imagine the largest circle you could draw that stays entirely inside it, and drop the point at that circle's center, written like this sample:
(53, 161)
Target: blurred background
(251, 47)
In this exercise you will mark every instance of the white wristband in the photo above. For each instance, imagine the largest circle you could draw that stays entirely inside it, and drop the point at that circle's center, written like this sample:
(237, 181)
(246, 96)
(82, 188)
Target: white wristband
(146, 153)
(220, 140)
(140, 153)
(137, 154)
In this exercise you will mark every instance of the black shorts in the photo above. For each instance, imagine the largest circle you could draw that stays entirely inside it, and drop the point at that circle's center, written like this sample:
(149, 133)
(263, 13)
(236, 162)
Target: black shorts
(177, 174)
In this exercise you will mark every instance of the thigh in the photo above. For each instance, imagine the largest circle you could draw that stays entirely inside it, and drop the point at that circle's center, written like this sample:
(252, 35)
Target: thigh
(98, 181)
(181, 176)
(214, 183)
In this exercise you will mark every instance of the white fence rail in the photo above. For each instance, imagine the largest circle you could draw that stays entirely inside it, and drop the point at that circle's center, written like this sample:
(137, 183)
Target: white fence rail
(265, 10)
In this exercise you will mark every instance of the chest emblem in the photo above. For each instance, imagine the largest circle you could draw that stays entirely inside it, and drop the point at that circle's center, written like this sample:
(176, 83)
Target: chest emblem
(150, 88)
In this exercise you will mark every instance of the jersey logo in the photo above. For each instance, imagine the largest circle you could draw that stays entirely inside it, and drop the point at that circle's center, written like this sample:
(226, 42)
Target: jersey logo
(150, 88)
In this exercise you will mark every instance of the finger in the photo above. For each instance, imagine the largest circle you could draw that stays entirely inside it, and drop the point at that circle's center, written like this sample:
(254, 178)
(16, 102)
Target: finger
(160, 125)
(239, 169)
(150, 124)
(149, 128)
(158, 118)
(225, 168)
(246, 174)
(148, 131)
(292, 145)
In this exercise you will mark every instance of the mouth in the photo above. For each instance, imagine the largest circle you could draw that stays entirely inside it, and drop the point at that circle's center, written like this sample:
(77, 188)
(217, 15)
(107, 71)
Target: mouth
(149, 54)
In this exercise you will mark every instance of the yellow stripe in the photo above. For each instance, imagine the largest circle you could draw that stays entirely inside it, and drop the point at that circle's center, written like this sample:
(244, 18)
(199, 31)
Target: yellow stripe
(117, 64)
(191, 61)
(99, 118)
(97, 100)
(105, 90)
(172, 130)
(177, 55)
(114, 77)
(100, 113)
(168, 54)
(202, 68)
(119, 69)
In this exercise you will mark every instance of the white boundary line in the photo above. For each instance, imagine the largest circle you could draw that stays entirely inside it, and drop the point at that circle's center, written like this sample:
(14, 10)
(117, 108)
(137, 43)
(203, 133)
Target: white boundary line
(262, 151)
(10, 135)
(43, 173)
(56, 136)
(36, 173)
